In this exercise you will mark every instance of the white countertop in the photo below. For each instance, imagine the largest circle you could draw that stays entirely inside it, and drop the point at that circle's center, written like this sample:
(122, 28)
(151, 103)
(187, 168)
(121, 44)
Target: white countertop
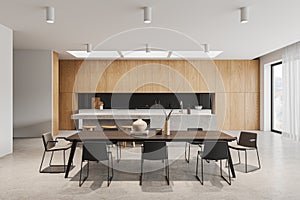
(134, 113)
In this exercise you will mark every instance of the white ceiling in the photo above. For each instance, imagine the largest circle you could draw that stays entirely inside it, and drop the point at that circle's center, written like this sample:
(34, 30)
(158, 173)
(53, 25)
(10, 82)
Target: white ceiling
(176, 25)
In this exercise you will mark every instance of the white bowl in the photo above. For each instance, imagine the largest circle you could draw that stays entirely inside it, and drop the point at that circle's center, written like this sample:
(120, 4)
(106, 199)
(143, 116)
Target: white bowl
(198, 107)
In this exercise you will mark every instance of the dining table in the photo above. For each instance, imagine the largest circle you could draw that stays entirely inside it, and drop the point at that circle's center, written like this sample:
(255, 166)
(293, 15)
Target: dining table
(110, 136)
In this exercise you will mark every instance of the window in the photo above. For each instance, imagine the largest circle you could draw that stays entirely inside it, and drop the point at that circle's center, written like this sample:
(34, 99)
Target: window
(276, 97)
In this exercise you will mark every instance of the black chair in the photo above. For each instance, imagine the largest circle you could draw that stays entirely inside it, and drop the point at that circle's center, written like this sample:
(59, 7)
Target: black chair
(96, 151)
(213, 151)
(117, 143)
(155, 151)
(51, 145)
(188, 144)
(247, 141)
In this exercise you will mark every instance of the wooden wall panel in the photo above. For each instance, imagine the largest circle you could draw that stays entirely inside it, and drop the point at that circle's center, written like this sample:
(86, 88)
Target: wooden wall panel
(132, 67)
(223, 76)
(207, 72)
(237, 111)
(82, 77)
(67, 71)
(178, 81)
(222, 103)
(252, 76)
(68, 106)
(252, 118)
(55, 94)
(237, 75)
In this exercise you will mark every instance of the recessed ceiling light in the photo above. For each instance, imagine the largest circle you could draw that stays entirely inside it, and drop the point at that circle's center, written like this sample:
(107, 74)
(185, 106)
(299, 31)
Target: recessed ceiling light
(50, 15)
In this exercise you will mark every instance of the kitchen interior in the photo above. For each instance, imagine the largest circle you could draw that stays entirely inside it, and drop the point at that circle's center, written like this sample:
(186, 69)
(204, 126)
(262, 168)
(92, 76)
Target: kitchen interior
(182, 76)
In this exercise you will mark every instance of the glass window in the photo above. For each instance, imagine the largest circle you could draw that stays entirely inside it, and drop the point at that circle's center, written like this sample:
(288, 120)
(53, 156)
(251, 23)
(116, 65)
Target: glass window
(277, 97)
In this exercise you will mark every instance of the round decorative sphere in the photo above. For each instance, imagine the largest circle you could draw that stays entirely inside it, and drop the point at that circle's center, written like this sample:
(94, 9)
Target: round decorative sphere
(139, 125)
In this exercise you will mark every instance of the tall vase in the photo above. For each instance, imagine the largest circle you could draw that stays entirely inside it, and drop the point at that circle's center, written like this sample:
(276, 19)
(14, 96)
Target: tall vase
(167, 127)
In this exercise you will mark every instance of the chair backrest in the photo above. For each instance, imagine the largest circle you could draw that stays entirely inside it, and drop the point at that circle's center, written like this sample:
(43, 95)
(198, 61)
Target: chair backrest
(154, 150)
(195, 129)
(248, 139)
(94, 151)
(215, 150)
(46, 138)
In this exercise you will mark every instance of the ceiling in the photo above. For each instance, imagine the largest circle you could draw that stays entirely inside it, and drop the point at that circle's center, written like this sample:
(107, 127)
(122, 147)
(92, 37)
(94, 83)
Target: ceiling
(176, 25)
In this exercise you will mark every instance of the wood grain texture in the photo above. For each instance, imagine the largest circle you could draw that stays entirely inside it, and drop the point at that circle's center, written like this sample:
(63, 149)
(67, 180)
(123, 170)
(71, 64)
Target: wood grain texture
(252, 76)
(252, 110)
(237, 111)
(223, 76)
(222, 110)
(237, 75)
(67, 71)
(55, 94)
(229, 79)
(68, 105)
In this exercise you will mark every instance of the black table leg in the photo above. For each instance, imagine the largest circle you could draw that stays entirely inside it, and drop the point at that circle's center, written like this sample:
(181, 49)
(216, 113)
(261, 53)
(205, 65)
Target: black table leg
(73, 148)
(230, 164)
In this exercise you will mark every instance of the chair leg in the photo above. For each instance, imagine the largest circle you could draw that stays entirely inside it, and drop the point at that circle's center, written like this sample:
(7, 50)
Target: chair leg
(167, 169)
(109, 178)
(228, 181)
(42, 162)
(202, 171)
(64, 160)
(197, 166)
(258, 160)
(185, 153)
(239, 157)
(51, 158)
(246, 162)
(141, 175)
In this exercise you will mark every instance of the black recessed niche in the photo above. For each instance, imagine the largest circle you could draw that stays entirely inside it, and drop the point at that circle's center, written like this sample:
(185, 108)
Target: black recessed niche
(147, 100)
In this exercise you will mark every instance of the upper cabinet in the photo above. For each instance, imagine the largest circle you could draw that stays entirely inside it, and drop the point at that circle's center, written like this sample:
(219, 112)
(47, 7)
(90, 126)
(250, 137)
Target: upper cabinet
(95, 76)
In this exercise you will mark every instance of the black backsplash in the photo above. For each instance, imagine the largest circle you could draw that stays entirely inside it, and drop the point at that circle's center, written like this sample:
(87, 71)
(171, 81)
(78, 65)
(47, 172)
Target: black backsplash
(147, 100)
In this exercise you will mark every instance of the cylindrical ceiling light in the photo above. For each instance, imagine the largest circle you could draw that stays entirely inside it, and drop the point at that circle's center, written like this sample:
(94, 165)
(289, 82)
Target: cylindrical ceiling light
(148, 50)
(206, 48)
(50, 15)
(147, 15)
(244, 15)
(89, 48)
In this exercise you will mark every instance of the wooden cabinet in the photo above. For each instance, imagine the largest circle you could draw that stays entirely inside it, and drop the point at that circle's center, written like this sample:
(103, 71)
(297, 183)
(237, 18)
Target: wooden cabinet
(234, 82)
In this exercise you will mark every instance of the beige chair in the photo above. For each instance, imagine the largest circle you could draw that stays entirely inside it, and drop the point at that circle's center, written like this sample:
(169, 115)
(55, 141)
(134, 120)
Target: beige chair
(51, 145)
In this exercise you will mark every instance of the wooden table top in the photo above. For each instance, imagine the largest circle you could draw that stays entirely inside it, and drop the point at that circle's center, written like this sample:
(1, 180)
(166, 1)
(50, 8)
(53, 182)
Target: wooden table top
(176, 136)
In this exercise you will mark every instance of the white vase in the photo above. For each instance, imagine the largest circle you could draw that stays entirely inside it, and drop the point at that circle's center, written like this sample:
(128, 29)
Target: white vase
(167, 127)
(139, 125)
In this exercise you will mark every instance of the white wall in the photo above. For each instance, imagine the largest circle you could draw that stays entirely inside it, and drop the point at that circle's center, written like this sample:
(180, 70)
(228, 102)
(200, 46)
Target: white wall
(6, 91)
(265, 87)
(32, 92)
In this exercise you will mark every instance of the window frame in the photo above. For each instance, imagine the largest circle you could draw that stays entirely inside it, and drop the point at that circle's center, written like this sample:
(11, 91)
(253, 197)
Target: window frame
(272, 104)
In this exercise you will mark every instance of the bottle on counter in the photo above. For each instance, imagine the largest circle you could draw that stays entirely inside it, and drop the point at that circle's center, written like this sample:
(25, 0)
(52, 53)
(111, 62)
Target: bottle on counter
(188, 109)
(181, 106)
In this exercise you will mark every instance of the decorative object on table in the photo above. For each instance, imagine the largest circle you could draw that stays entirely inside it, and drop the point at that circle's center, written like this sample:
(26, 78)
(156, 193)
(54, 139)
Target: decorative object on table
(139, 125)
(167, 122)
(97, 103)
(198, 107)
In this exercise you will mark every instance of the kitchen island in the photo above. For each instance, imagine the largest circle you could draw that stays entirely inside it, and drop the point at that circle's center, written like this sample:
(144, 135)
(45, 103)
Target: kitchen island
(179, 120)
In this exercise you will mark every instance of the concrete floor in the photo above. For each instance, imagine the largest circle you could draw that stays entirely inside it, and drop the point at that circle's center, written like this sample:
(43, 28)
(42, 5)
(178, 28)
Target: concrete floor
(277, 179)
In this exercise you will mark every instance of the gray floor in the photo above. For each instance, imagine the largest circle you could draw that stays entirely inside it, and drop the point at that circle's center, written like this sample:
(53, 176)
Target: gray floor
(277, 179)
